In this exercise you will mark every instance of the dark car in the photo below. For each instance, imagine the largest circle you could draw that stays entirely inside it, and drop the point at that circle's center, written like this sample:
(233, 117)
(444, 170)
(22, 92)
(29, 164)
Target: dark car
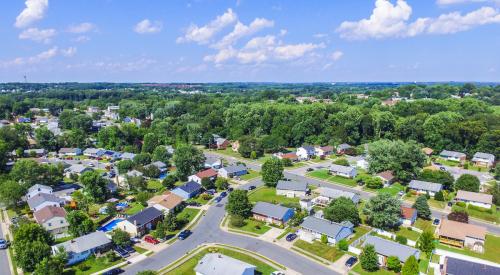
(450, 204)
(184, 234)
(291, 237)
(223, 194)
(230, 189)
(113, 271)
(436, 222)
(351, 261)
(251, 187)
(218, 199)
(442, 168)
(310, 169)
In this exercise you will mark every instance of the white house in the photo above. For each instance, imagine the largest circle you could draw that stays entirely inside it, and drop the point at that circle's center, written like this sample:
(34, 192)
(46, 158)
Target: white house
(305, 152)
(70, 151)
(83, 247)
(313, 228)
(37, 189)
(291, 189)
(453, 156)
(218, 264)
(42, 200)
(209, 173)
(326, 195)
(94, 152)
(343, 171)
(53, 219)
(76, 169)
(483, 159)
(423, 187)
(477, 199)
(323, 151)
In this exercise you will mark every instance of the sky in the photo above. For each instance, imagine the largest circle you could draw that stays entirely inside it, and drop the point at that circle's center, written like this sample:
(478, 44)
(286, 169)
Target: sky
(249, 40)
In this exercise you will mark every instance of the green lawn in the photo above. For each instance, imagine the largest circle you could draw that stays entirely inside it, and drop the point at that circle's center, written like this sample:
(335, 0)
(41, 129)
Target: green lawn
(188, 214)
(296, 165)
(432, 202)
(491, 249)
(494, 216)
(423, 263)
(408, 233)
(199, 200)
(140, 249)
(358, 269)
(322, 250)
(154, 185)
(425, 225)
(251, 175)
(229, 152)
(358, 232)
(447, 162)
(187, 268)
(94, 264)
(134, 208)
(252, 226)
(323, 174)
(268, 194)
(393, 190)
(61, 240)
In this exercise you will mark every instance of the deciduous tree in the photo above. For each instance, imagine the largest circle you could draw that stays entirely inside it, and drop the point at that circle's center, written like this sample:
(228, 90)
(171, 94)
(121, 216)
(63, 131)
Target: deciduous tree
(272, 172)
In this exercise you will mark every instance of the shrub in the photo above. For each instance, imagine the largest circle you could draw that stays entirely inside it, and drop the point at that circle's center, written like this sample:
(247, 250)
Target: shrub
(393, 264)
(237, 221)
(341, 161)
(459, 216)
(324, 239)
(401, 239)
(83, 267)
(343, 245)
(205, 196)
(461, 204)
(287, 162)
(439, 196)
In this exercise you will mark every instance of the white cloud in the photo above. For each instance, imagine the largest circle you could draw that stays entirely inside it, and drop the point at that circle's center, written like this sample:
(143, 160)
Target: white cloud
(38, 35)
(320, 35)
(388, 20)
(453, 2)
(69, 52)
(81, 28)
(148, 26)
(336, 55)
(241, 30)
(204, 34)
(283, 32)
(34, 11)
(82, 38)
(287, 52)
(19, 61)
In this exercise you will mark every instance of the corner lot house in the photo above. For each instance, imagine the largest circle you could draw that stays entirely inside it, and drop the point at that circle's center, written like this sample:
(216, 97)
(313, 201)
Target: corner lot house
(462, 235)
(326, 195)
(93, 152)
(221, 143)
(476, 199)
(53, 219)
(272, 213)
(305, 152)
(291, 188)
(408, 216)
(83, 247)
(188, 190)
(141, 223)
(37, 189)
(387, 177)
(453, 156)
(209, 173)
(233, 171)
(323, 151)
(313, 228)
(423, 187)
(483, 159)
(343, 171)
(218, 264)
(70, 151)
(165, 202)
(386, 248)
(42, 200)
(454, 266)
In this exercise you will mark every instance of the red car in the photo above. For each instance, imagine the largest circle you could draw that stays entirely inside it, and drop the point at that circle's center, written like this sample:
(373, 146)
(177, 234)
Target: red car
(151, 240)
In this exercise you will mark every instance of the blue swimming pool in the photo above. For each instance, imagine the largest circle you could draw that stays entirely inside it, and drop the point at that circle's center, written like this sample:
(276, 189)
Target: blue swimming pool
(122, 204)
(110, 226)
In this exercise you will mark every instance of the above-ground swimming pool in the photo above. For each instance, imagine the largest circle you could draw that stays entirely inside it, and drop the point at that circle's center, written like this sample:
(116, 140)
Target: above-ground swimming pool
(110, 226)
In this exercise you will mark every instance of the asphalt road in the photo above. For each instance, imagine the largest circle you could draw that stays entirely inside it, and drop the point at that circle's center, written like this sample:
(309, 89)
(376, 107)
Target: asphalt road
(207, 231)
(4, 261)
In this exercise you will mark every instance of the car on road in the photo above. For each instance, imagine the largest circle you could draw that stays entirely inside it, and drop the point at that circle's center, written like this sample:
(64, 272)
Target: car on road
(218, 199)
(436, 222)
(251, 187)
(401, 193)
(4, 244)
(291, 237)
(223, 194)
(113, 271)
(184, 234)
(310, 169)
(351, 261)
(230, 189)
(151, 240)
(450, 204)
(442, 168)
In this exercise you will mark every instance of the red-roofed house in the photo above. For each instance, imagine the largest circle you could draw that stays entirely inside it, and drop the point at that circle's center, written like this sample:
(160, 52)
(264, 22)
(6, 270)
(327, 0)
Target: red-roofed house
(208, 173)
(291, 156)
(408, 215)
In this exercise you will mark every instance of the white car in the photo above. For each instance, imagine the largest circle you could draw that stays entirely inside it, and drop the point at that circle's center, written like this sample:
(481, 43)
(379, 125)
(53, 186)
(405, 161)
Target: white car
(4, 244)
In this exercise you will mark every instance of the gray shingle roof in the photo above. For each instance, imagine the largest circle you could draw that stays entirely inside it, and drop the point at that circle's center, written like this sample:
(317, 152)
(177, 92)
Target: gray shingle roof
(159, 164)
(128, 155)
(425, 185)
(78, 168)
(390, 248)
(292, 185)
(145, 216)
(343, 146)
(218, 264)
(41, 198)
(335, 193)
(341, 168)
(446, 153)
(270, 210)
(331, 229)
(85, 243)
(460, 267)
(483, 156)
(39, 187)
(234, 168)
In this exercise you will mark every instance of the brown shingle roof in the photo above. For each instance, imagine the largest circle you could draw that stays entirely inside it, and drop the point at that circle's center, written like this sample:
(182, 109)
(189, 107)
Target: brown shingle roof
(49, 212)
(473, 196)
(407, 212)
(327, 148)
(427, 150)
(289, 156)
(168, 200)
(458, 230)
(206, 173)
(388, 175)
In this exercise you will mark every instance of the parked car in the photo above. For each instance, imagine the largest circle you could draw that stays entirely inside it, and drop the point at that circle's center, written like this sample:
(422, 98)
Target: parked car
(223, 194)
(135, 240)
(230, 189)
(351, 261)
(218, 199)
(401, 193)
(4, 244)
(310, 169)
(450, 204)
(291, 237)
(129, 249)
(251, 187)
(151, 240)
(442, 168)
(113, 271)
(184, 234)
(436, 222)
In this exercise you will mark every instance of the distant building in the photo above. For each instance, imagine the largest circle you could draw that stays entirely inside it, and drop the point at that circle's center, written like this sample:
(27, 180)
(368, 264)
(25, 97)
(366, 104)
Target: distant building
(483, 159)
(188, 190)
(233, 171)
(70, 151)
(385, 248)
(423, 187)
(127, 156)
(218, 264)
(453, 156)
(272, 213)
(454, 266)
(408, 216)
(305, 152)
(291, 189)
(76, 169)
(37, 189)
(94, 152)
(52, 218)
(291, 156)
(42, 200)
(209, 173)
(462, 235)
(313, 228)
(141, 223)
(476, 199)
(323, 151)
(343, 171)
(344, 148)
(326, 195)
(387, 177)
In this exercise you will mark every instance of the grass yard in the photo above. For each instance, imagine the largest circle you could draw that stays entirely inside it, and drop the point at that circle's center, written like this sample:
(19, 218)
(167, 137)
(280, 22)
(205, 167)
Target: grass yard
(296, 165)
(408, 233)
(423, 263)
(491, 217)
(358, 269)
(134, 208)
(93, 264)
(425, 225)
(447, 162)
(140, 250)
(319, 249)
(323, 174)
(199, 200)
(187, 268)
(252, 226)
(61, 240)
(358, 232)
(393, 190)
(251, 175)
(154, 185)
(432, 202)
(491, 249)
(268, 194)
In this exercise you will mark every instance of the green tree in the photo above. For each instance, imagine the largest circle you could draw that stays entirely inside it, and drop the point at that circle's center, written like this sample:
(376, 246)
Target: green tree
(31, 245)
(467, 182)
(94, 186)
(249, 144)
(439, 196)
(343, 245)
(171, 223)
(438, 176)
(46, 139)
(53, 265)
(188, 161)
(124, 165)
(369, 259)
(79, 223)
(426, 242)
(11, 192)
(324, 239)
(142, 159)
(151, 171)
(169, 181)
(410, 267)
(161, 153)
(136, 183)
(238, 204)
(221, 183)
(272, 172)
(374, 183)
(383, 211)
(27, 172)
(423, 210)
(207, 183)
(142, 198)
(342, 209)
(120, 238)
(150, 142)
(341, 161)
(393, 264)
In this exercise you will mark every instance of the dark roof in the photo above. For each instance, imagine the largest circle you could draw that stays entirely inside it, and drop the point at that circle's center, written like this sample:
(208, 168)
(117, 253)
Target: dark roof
(270, 210)
(461, 267)
(145, 216)
(190, 187)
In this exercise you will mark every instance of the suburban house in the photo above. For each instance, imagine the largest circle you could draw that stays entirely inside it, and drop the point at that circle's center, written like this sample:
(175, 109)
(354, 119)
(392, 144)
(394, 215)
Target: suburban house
(141, 223)
(454, 266)
(111, 155)
(34, 152)
(213, 162)
(233, 171)
(427, 151)
(423, 187)
(42, 200)
(83, 247)
(219, 264)
(235, 146)
(64, 191)
(476, 199)
(387, 177)
(188, 190)
(313, 228)
(76, 169)
(343, 148)
(127, 156)
(221, 143)
(326, 195)
(52, 218)
(160, 165)
(386, 248)
(272, 213)
(483, 159)
(323, 151)
(453, 156)
(70, 151)
(94, 152)
(462, 235)
(291, 156)
(291, 188)
(112, 112)
(37, 189)
(358, 161)
(305, 152)
(343, 171)
(408, 216)
(209, 173)
(166, 202)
